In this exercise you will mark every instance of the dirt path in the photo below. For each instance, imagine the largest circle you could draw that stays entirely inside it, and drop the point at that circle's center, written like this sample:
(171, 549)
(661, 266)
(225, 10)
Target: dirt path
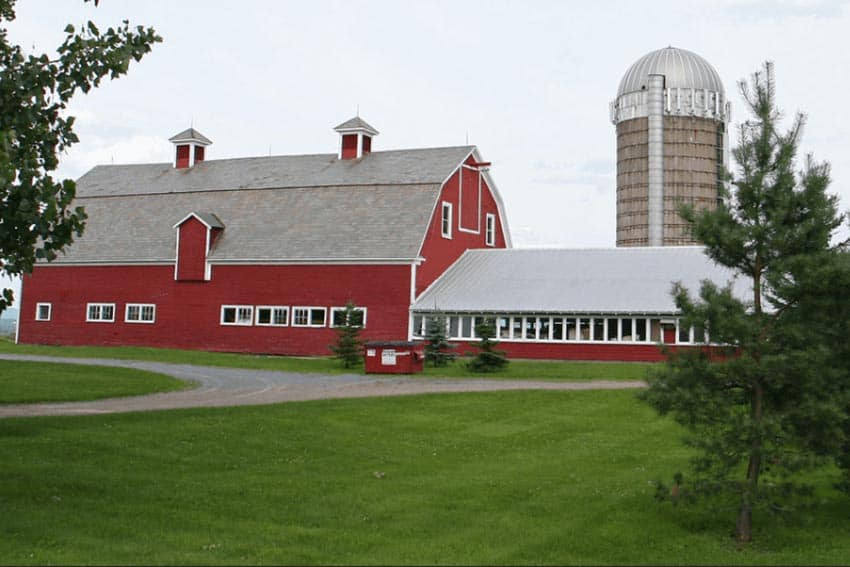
(219, 387)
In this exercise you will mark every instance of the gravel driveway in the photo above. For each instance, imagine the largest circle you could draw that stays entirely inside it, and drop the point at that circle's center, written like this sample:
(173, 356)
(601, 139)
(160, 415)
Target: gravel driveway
(236, 387)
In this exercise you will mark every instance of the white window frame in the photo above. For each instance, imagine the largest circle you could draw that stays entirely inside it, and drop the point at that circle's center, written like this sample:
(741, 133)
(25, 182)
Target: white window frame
(273, 309)
(238, 321)
(335, 310)
(309, 309)
(446, 216)
(490, 230)
(99, 318)
(38, 307)
(141, 307)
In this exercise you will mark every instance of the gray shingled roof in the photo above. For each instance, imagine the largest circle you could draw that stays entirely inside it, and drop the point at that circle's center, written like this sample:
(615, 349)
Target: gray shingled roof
(615, 280)
(190, 134)
(262, 225)
(286, 208)
(356, 123)
(397, 167)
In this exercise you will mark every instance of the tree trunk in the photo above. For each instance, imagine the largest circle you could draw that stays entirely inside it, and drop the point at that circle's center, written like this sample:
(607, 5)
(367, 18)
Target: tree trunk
(744, 525)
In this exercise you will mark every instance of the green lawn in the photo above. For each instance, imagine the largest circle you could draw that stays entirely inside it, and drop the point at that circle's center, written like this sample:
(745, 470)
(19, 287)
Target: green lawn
(517, 369)
(28, 382)
(495, 478)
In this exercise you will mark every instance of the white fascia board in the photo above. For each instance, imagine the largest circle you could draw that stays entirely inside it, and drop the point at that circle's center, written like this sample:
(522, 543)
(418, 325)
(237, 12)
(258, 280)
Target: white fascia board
(157, 262)
(313, 261)
(193, 214)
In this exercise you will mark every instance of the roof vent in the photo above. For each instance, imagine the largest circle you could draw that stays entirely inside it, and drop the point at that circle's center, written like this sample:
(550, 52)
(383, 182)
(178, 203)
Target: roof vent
(355, 138)
(189, 148)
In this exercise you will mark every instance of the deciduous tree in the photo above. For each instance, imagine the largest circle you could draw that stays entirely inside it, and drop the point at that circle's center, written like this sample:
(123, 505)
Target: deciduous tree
(37, 216)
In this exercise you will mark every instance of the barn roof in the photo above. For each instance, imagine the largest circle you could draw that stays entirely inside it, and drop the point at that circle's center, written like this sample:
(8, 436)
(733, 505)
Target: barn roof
(395, 167)
(614, 280)
(275, 209)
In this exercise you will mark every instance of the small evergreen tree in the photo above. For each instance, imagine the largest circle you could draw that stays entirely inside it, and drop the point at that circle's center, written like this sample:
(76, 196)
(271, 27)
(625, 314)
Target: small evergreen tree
(488, 358)
(348, 347)
(438, 349)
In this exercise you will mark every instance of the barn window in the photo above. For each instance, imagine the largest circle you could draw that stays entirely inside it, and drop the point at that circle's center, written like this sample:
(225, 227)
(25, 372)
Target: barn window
(613, 330)
(100, 312)
(640, 330)
(418, 320)
(544, 325)
(558, 328)
(490, 232)
(598, 329)
(504, 327)
(140, 313)
(242, 315)
(338, 316)
(272, 315)
(446, 222)
(627, 329)
(43, 311)
(308, 316)
(570, 329)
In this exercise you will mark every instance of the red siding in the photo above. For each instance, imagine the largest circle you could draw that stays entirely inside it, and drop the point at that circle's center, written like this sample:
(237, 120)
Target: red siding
(349, 146)
(566, 351)
(182, 156)
(192, 250)
(439, 252)
(188, 313)
(199, 154)
(468, 210)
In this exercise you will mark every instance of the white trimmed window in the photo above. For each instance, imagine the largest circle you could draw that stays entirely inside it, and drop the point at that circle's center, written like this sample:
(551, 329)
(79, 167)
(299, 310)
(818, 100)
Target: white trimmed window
(272, 315)
(338, 316)
(140, 313)
(100, 312)
(446, 220)
(242, 315)
(308, 316)
(43, 311)
(490, 233)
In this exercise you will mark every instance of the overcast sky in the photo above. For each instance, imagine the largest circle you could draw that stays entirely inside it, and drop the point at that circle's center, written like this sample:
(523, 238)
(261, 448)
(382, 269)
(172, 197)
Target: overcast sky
(527, 82)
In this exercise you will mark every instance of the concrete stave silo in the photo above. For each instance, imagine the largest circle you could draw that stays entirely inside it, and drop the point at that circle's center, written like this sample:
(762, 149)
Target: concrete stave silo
(671, 117)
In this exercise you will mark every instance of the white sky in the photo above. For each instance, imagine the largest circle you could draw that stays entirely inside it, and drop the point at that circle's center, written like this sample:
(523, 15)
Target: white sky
(528, 82)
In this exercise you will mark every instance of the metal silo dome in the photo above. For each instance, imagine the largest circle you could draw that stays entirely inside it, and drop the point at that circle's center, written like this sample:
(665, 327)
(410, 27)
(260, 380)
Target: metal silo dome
(691, 87)
(680, 67)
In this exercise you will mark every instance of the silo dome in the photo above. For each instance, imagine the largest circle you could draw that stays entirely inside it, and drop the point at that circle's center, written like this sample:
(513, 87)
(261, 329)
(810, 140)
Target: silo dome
(691, 87)
(680, 67)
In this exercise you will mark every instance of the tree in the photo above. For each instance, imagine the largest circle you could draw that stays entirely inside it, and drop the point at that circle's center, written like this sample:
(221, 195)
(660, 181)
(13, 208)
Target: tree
(769, 405)
(438, 350)
(36, 216)
(348, 347)
(488, 358)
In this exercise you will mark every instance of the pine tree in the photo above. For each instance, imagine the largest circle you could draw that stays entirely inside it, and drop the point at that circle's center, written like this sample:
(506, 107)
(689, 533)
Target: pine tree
(488, 358)
(438, 350)
(772, 404)
(348, 348)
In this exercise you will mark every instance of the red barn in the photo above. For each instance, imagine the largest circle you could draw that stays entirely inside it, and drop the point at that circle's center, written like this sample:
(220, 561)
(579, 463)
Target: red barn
(260, 254)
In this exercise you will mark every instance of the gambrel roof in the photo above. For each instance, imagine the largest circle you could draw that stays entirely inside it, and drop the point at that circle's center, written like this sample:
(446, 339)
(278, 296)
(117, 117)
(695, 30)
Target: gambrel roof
(602, 280)
(275, 209)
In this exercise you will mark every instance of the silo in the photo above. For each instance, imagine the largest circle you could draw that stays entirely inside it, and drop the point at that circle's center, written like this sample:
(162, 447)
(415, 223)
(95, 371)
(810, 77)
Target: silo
(671, 115)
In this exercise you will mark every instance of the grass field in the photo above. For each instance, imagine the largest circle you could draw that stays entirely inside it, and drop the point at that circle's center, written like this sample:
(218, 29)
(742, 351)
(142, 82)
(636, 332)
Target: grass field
(517, 369)
(28, 382)
(496, 478)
